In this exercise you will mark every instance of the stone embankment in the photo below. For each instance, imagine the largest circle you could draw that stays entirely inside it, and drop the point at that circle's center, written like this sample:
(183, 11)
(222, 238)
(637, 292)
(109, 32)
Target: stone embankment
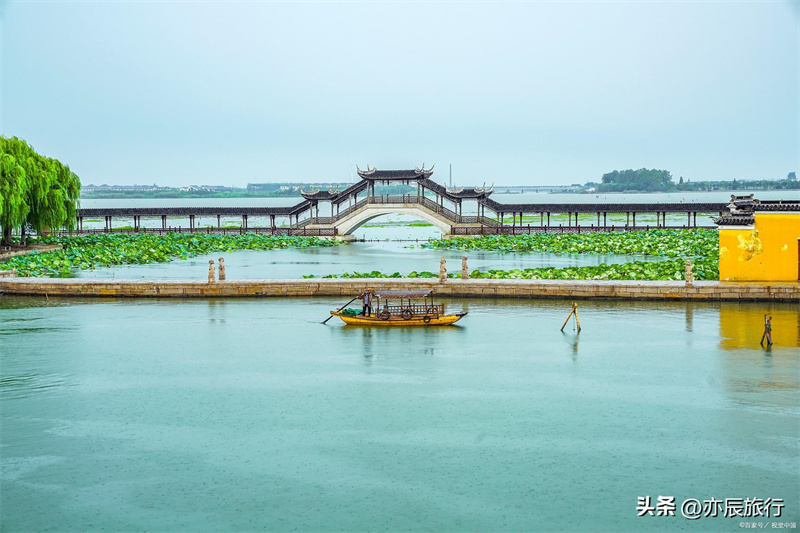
(472, 288)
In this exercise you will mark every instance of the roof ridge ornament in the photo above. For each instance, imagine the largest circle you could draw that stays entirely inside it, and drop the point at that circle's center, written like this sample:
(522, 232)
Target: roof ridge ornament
(365, 172)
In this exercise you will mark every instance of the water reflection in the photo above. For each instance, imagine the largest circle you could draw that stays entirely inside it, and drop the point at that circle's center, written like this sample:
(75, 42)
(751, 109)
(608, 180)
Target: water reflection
(753, 375)
(216, 312)
(689, 316)
(572, 340)
(742, 326)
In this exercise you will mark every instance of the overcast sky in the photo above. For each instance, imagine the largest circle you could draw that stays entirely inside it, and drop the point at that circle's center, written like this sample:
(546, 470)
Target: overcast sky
(179, 93)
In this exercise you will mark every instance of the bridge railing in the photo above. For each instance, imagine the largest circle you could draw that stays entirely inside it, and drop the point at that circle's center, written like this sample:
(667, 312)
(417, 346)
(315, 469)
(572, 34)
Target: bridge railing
(450, 215)
(387, 200)
(355, 207)
(404, 199)
(310, 232)
(524, 230)
(486, 221)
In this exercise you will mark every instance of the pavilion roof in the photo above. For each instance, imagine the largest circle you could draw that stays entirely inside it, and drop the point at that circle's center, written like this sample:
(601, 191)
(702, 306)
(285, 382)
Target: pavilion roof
(388, 175)
(471, 192)
(319, 195)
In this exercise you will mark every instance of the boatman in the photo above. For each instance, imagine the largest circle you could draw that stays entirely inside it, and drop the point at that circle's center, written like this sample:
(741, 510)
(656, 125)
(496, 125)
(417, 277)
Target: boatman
(367, 297)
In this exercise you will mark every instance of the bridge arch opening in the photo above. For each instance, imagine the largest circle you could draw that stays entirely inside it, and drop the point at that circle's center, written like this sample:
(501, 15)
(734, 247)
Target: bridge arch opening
(405, 215)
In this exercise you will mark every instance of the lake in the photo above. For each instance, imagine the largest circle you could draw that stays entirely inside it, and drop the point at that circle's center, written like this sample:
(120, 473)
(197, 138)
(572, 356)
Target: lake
(249, 415)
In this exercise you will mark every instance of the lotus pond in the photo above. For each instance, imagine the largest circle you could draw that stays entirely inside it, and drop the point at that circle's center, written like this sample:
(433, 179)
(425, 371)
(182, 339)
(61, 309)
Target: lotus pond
(655, 254)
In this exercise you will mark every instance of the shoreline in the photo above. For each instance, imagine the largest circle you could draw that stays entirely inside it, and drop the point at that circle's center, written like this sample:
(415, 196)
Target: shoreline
(777, 291)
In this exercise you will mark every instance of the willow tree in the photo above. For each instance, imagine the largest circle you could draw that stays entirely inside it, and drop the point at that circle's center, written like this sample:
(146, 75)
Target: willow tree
(35, 190)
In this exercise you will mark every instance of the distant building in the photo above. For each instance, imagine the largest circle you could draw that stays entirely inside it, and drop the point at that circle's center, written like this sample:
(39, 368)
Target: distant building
(284, 186)
(263, 187)
(118, 188)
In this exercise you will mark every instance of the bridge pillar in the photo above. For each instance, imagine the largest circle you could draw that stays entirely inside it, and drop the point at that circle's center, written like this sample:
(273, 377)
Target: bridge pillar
(244, 222)
(219, 221)
(272, 222)
(634, 220)
(191, 222)
(163, 221)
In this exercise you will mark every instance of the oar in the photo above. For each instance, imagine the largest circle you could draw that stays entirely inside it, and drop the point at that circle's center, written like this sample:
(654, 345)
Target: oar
(342, 307)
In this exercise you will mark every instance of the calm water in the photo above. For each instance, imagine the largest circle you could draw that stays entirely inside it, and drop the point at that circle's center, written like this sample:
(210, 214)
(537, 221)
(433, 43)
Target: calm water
(249, 415)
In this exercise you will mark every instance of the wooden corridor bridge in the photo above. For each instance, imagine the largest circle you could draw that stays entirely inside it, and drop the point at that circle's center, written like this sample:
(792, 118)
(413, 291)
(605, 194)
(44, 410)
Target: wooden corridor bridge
(358, 204)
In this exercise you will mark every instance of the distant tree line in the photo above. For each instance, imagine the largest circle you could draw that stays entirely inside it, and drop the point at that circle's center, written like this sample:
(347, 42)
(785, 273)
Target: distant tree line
(36, 191)
(646, 180)
(636, 180)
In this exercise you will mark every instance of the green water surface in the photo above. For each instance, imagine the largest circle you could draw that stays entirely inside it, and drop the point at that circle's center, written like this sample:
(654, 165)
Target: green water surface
(249, 415)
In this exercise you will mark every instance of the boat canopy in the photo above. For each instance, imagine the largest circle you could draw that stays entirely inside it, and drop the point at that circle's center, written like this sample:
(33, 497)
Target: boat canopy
(402, 294)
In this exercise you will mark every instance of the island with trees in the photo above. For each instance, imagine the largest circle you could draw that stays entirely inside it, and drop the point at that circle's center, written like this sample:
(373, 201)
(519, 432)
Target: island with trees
(653, 180)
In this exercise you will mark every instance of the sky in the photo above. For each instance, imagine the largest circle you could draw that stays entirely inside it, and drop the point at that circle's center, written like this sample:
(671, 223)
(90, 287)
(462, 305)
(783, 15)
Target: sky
(230, 93)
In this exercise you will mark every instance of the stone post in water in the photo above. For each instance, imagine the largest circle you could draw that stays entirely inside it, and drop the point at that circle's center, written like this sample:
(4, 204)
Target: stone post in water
(464, 268)
(221, 269)
(689, 274)
(211, 271)
(442, 271)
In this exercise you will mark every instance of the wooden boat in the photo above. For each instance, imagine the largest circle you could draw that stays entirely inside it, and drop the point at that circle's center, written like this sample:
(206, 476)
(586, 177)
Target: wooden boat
(400, 308)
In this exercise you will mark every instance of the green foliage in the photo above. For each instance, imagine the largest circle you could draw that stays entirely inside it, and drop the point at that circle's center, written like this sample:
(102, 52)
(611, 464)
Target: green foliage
(95, 251)
(700, 245)
(637, 180)
(733, 185)
(34, 189)
(666, 243)
(703, 269)
(378, 274)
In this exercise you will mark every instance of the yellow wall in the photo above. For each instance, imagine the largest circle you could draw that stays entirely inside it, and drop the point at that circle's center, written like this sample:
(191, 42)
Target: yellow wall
(766, 252)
